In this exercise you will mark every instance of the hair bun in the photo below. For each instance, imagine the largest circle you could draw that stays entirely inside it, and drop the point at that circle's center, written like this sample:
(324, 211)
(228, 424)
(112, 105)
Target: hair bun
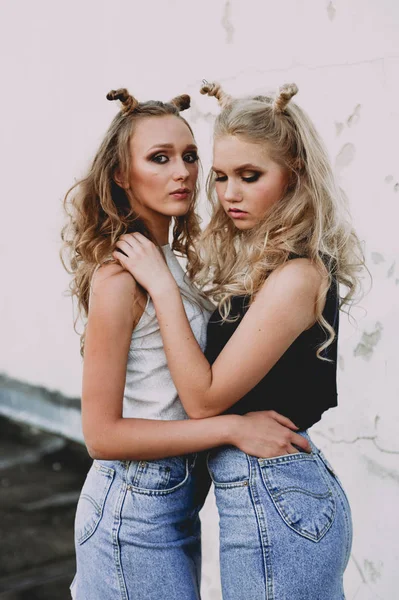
(215, 89)
(129, 103)
(285, 93)
(181, 102)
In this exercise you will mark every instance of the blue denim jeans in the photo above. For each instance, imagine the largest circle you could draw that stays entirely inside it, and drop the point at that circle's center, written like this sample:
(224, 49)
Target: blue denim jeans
(285, 526)
(137, 530)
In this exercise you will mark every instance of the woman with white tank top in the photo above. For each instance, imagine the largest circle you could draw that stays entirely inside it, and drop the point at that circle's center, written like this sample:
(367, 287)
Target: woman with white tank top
(137, 530)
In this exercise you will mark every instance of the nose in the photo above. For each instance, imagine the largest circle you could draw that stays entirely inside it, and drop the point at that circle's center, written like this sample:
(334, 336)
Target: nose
(232, 192)
(181, 173)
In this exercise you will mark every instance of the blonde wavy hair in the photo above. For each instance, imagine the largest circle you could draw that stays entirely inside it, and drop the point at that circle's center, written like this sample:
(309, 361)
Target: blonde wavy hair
(98, 209)
(311, 220)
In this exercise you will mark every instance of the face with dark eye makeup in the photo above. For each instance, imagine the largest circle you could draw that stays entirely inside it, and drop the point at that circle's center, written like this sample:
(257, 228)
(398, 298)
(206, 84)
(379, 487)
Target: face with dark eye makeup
(248, 181)
(163, 169)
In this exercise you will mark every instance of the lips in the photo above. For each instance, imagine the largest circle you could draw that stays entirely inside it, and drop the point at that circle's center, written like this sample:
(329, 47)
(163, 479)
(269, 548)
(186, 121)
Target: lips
(181, 191)
(237, 214)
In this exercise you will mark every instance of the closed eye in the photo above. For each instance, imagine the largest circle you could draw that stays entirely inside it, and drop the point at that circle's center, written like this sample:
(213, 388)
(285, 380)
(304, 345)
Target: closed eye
(252, 178)
(249, 179)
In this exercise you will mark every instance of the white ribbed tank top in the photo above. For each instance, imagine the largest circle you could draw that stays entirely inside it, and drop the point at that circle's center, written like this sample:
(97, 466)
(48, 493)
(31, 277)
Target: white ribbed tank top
(149, 389)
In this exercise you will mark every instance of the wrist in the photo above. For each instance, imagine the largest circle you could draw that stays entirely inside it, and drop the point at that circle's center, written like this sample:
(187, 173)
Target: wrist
(163, 288)
(232, 429)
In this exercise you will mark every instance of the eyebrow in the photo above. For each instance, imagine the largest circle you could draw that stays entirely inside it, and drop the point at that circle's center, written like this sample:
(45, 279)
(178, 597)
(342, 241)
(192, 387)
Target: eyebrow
(245, 167)
(165, 145)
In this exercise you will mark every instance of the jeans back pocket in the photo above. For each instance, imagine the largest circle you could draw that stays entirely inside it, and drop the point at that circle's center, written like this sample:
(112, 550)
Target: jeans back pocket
(300, 492)
(92, 500)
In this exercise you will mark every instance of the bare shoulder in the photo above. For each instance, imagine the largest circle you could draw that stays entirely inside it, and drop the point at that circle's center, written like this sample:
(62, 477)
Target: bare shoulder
(112, 276)
(297, 276)
(114, 288)
(297, 283)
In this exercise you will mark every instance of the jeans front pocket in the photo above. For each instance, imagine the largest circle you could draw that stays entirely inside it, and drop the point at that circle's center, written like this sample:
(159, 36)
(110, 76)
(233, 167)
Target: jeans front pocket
(300, 492)
(161, 476)
(92, 500)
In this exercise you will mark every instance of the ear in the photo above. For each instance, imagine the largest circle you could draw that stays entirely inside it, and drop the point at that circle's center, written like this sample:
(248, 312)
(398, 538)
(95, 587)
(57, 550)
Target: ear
(120, 180)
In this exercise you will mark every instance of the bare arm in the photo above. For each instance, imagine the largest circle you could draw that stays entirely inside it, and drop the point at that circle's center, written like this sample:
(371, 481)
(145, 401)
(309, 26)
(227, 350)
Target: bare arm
(283, 309)
(114, 310)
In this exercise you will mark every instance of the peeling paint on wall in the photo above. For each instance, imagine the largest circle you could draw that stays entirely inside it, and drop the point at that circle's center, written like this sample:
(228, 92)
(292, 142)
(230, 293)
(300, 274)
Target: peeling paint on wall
(391, 269)
(369, 341)
(372, 571)
(354, 117)
(331, 11)
(196, 114)
(389, 179)
(338, 127)
(345, 157)
(378, 469)
(227, 24)
(377, 258)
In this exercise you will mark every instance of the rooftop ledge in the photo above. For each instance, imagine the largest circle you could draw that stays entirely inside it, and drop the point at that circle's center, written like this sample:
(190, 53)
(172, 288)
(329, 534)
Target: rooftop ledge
(35, 405)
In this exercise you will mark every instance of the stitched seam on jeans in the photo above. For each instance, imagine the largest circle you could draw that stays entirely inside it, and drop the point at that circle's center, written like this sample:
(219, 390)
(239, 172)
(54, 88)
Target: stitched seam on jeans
(103, 469)
(300, 530)
(84, 532)
(347, 521)
(262, 530)
(92, 502)
(302, 491)
(117, 522)
(148, 492)
(233, 484)
(285, 458)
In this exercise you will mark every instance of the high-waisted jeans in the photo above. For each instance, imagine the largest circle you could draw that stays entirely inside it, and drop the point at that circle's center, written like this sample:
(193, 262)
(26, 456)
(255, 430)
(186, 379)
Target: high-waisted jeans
(285, 528)
(137, 530)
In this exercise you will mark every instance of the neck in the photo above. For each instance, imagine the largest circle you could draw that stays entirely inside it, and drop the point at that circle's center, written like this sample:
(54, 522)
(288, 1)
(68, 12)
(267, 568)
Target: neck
(156, 223)
(159, 228)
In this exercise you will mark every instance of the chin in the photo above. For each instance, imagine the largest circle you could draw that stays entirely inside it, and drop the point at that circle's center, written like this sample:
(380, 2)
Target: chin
(179, 210)
(242, 226)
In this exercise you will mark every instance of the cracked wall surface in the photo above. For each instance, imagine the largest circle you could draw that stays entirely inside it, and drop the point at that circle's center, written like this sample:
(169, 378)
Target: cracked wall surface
(344, 57)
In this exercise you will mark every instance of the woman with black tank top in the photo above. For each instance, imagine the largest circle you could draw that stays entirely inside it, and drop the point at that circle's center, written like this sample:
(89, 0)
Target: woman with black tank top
(273, 255)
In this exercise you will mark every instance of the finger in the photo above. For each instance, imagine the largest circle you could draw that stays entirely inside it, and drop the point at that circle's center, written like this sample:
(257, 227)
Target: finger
(129, 239)
(120, 258)
(301, 442)
(284, 421)
(141, 239)
(125, 247)
(119, 254)
(292, 450)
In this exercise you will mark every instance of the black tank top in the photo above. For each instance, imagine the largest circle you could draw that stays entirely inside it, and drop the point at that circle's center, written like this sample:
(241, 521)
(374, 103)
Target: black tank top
(300, 385)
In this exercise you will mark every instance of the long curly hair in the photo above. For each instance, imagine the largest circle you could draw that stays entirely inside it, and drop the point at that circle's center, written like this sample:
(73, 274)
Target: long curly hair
(98, 209)
(311, 220)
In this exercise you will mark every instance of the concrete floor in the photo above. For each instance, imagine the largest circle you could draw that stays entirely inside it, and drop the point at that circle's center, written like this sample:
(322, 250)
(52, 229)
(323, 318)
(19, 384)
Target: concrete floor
(40, 480)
